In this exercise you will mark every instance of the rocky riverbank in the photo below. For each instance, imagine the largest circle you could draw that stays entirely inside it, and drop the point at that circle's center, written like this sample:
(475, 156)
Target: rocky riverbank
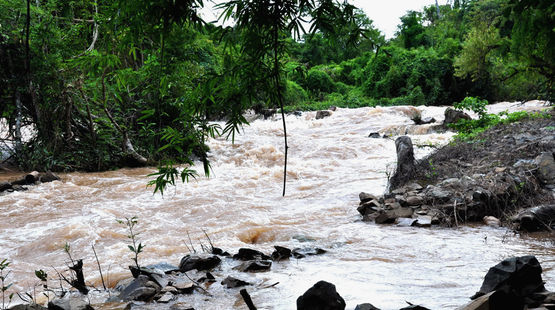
(506, 176)
(513, 284)
(21, 183)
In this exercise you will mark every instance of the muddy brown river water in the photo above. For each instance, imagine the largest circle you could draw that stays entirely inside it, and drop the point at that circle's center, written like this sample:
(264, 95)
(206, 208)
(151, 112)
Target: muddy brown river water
(330, 161)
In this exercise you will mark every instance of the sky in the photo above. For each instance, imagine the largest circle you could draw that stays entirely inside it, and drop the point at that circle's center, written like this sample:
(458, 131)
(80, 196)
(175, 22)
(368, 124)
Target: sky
(384, 13)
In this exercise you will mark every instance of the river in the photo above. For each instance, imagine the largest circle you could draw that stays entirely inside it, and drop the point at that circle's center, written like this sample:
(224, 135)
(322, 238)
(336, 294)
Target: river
(331, 160)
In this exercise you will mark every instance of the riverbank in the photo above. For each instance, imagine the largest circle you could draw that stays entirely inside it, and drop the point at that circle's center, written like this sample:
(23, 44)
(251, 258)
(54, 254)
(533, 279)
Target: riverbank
(500, 174)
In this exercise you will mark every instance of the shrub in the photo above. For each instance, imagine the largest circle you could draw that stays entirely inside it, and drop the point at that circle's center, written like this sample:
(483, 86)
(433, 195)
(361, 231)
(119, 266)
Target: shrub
(294, 94)
(318, 81)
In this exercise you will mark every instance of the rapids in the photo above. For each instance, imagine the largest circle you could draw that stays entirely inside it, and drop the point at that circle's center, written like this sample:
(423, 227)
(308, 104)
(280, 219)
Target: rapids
(330, 161)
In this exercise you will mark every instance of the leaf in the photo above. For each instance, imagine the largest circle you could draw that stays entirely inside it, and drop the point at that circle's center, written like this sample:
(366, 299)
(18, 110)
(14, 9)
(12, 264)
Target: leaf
(131, 248)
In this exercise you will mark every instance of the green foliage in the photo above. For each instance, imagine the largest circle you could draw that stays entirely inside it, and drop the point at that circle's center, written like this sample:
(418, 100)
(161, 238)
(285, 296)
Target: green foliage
(4, 285)
(470, 129)
(318, 82)
(473, 104)
(136, 247)
(294, 94)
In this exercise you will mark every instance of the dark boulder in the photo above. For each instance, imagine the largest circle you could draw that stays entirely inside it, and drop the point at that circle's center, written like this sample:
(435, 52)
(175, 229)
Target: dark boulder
(250, 254)
(231, 282)
(322, 114)
(303, 252)
(5, 186)
(141, 288)
(414, 307)
(452, 116)
(48, 177)
(423, 121)
(32, 177)
(156, 275)
(546, 168)
(516, 276)
(365, 197)
(281, 253)
(536, 219)
(405, 162)
(220, 252)
(366, 306)
(374, 135)
(254, 266)
(322, 296)
(198, 262)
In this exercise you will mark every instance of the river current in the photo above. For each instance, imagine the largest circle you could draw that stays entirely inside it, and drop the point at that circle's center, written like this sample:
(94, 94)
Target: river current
(331, 160)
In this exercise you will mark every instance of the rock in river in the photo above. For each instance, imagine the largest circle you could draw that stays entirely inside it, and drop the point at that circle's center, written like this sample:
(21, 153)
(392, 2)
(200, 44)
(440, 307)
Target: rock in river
(321, 296)
(198, 262)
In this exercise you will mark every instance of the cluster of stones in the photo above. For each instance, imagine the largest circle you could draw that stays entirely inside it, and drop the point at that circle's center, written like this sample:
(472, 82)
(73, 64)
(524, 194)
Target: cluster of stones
(404, 206)
(33, 178)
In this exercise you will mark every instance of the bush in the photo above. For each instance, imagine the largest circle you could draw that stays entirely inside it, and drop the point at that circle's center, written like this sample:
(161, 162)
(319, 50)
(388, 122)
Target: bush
(294, 94)
(318, 82)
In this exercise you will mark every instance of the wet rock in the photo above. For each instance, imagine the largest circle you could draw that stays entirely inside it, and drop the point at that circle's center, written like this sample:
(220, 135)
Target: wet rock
(322, 114)
(70, 302)
(423, 221)
(438, 194)
(4, 186)
(250, 254)
(389, 216)
(163, 268)
(17, 188)
(374, 135)
(220, 252)
(332, 108)
(254, 266)
(198, 262)
(207, 278)
(321, 296)
(184, 287)
(491, 221)
(48, 177)
(414, 307)
(281, 253)
(452, 116)
(536, 219)
(546, 167)
(405, 162)
(415, 200)
(369, 207)
(32, 177)
(267, 113)
(169, 289)
(521, 276)
(231, 282)
(155, 275)
(140, 288)
(365, 197)
(366, 306)
(166, 298)
(28, 307)
(423, 121)
(480, 303)
(303, 252)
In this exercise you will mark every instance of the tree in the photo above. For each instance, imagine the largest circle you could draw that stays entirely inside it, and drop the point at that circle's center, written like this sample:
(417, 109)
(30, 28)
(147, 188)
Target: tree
(265, 25)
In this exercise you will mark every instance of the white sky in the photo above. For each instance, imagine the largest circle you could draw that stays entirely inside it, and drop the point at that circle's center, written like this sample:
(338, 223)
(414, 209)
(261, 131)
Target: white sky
(384, 13)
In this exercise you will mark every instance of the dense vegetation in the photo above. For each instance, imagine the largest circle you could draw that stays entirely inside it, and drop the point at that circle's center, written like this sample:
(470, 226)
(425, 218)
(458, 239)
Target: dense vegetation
(112, 83)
